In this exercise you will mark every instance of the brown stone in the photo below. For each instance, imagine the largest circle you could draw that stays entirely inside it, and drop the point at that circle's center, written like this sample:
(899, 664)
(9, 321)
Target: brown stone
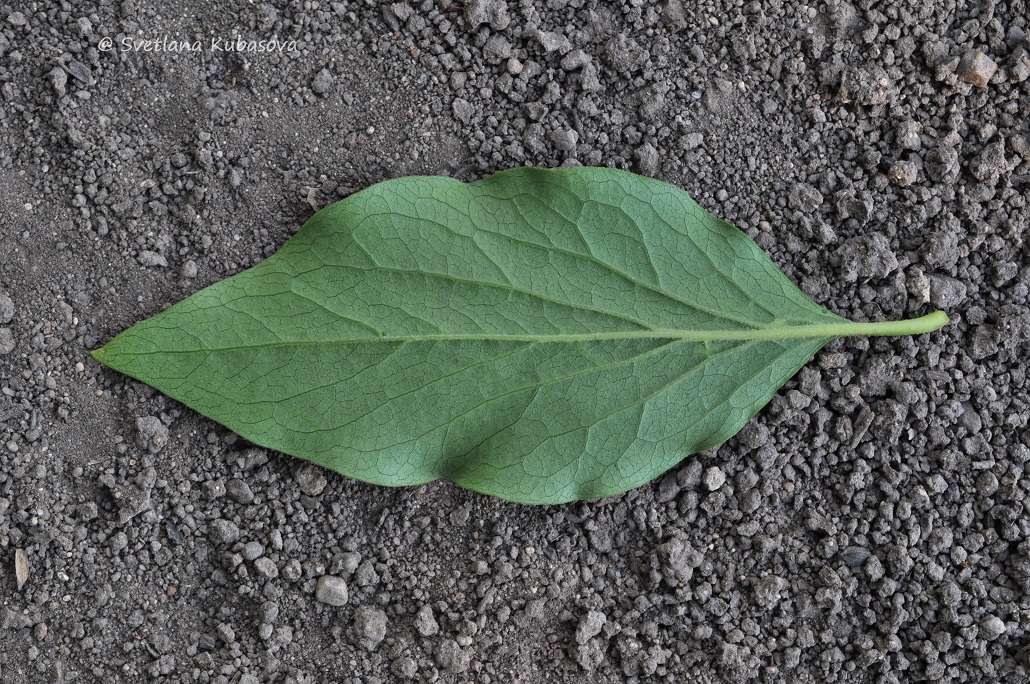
(976, 68)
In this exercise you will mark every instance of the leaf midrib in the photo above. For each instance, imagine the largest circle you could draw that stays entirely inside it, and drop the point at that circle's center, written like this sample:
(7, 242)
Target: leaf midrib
(747, 335)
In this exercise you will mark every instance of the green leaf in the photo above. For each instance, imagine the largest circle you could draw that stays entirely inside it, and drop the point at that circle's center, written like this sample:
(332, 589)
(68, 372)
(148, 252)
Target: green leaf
(538, 335)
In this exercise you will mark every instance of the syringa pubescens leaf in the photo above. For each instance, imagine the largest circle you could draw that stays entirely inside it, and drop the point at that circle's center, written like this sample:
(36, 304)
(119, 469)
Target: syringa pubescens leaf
(539, 335)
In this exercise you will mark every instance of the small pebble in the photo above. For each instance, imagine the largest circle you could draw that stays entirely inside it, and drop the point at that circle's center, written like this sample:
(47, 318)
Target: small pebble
(323, 82)
(331, 590)
(903, 173)
(7, 344)
(768, 591)
(269, 611)
(647, 159)
(692, 141)
(714, 478)
(6, 308)
(266, 567)
(754, 435)
(867, 256)
(575, 60)
(565, 140)
(348, 563)
(80, 72)
(976, 68)
(253, 550)
(239, 491)
(425, 623)
(370, 626)
(366, 575)
(1019, 65)
(292, 571)
(223, 531)
(117, 542)
(405, 668)
(492, 12)
(550, 41)
(590, 625)
(226, 633)
(58, 79)
(310, 479)
(854, 556)
(463, 110)
(214, 489)
(497, 49)
(451, 658)
(992, 627)
(946, 293)
(906, 135)
(150, 258)
(152, 434)
(942, 164)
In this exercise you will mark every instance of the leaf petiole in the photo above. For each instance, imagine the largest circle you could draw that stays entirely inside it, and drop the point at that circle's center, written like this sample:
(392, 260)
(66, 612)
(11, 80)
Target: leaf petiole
(912, 326)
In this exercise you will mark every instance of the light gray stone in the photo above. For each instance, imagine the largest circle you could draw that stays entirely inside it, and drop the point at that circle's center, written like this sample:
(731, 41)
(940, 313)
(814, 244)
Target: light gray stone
(332, 590)
(590, 625)
(370, 626)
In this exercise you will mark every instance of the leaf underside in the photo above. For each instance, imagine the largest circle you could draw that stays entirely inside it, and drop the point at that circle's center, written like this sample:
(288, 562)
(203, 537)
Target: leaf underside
(539, 335)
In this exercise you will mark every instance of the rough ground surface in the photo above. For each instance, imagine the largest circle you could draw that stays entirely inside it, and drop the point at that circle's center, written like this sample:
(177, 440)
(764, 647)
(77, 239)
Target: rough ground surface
(871, 525)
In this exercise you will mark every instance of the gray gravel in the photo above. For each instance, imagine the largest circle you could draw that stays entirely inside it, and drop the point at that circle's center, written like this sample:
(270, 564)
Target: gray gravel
(869, 525)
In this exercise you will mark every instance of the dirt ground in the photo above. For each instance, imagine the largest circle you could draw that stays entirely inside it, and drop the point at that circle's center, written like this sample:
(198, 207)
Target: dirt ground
(870, 525)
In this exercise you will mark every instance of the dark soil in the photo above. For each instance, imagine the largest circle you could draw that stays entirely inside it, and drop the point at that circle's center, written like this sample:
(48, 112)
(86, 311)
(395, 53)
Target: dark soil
(870, 525)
